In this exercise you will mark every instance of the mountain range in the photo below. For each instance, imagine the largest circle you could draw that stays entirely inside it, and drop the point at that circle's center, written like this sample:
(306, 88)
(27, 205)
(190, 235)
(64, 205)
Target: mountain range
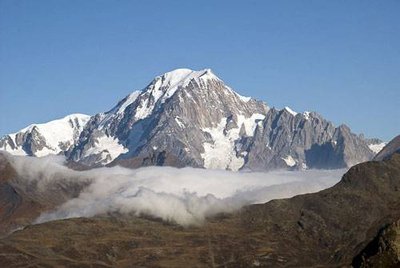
(192, 118)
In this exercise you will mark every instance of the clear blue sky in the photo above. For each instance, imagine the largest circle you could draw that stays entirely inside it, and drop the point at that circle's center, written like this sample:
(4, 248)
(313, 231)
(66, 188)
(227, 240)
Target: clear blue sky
(339, 58)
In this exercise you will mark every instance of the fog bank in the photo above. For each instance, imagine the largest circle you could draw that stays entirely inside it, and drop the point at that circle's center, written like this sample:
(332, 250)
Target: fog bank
(186, 196)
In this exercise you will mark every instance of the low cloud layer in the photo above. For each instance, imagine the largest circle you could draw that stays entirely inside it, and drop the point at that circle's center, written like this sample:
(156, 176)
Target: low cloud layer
(186, 196)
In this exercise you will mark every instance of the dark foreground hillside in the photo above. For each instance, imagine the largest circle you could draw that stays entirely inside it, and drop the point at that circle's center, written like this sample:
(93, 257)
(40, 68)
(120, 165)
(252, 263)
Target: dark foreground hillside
(352, 222)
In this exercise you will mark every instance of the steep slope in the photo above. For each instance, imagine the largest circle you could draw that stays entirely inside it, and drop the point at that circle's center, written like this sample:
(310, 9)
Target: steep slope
(54, 137)
(392, 147)
(383, 250)
(191, 118)
(325, 229)
(285, 138)
(17, 208)
(171, 116)
(337, 223)
(22, 200)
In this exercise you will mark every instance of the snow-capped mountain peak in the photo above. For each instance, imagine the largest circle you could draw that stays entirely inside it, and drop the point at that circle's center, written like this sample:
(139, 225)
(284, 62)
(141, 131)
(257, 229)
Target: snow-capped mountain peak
(192, 118)
(46, 138)
(159, 90)
(181, 77)
(124, 129)
(165, 86)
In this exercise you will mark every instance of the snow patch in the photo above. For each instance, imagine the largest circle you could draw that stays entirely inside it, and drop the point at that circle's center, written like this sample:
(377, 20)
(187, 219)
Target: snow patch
(289, 161)
(250, 123)
(14, 151)
(290, 111)
(178, 120)
(128, 101)
(243, 98)
(221, 153)
(376, 148)
(108, 147)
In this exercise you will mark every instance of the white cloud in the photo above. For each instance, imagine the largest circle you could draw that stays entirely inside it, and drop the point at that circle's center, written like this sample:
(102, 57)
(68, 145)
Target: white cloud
(185, 196)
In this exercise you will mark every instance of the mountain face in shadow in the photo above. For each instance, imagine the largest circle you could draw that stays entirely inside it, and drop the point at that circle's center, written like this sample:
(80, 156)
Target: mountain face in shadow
(334, 227)
(23, 200)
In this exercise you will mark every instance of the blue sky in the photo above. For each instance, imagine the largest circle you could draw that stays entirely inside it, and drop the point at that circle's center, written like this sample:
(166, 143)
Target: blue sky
(339, 58)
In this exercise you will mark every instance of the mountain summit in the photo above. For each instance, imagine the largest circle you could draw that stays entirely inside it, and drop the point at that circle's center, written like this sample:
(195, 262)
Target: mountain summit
(173, 119)
(192, 118)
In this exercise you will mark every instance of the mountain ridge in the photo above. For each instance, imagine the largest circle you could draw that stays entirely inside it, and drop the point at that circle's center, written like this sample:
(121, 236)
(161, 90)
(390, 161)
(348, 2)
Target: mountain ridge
(195, 119)
(42, 139)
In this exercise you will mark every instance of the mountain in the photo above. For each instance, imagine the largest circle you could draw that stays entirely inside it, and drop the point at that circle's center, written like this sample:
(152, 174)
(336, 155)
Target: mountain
(54, 137)
(392, 147)
(354, 222)
(190, 115)
(192, 118)
(22, 200)
(376, 145)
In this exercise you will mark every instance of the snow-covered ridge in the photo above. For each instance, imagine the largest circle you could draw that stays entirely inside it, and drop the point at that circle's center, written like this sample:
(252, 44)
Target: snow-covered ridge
(160, 90)
(164, 87)
(119, 109)
(47, 138)
(82, 119)
(306, 114)
(290, 111)
(376, 148)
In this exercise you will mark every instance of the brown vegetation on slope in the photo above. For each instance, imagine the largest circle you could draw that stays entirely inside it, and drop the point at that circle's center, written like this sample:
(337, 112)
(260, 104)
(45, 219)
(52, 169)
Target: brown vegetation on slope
(325, 229)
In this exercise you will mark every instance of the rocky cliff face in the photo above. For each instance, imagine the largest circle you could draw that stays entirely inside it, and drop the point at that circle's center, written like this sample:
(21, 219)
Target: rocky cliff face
(192, 118)
(190, 115)
(303, 140)
(383, 250)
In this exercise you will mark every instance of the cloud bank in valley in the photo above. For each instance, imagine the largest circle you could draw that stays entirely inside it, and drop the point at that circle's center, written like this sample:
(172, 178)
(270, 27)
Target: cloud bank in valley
(186, 196)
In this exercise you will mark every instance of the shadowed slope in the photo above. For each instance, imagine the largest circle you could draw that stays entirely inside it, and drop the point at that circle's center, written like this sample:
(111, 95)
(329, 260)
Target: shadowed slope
(21, 200)
(392, 147)
(325, 229)
(16, 208)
